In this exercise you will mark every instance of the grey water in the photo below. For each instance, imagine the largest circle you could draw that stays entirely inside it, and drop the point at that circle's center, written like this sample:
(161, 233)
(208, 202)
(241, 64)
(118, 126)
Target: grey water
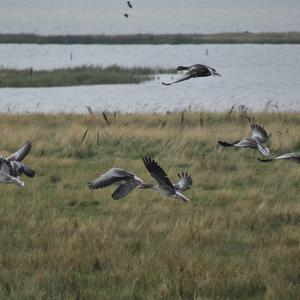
(155, 16)
(257, 76)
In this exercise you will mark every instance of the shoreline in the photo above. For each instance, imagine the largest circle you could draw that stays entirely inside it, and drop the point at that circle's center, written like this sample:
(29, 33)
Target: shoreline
(246, 37)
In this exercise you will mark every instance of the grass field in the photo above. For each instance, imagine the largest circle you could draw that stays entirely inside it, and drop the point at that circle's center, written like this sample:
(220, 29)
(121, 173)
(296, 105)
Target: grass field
(237, 239)
(246, 37)
(84, 75)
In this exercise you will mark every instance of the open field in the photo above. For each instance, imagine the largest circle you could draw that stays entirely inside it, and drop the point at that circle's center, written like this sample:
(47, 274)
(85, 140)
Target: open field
(237, 239)
(292, 37)
(84, 75)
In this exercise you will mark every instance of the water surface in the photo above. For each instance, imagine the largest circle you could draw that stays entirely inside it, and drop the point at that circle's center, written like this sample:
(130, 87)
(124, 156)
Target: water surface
(252, 75)
(155, 16)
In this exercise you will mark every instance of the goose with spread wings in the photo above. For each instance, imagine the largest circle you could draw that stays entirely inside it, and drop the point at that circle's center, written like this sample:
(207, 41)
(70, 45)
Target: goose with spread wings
(126, 181)
(294, 156)
(164, 185)
(258, 137)
(197, 70)
(12, 167)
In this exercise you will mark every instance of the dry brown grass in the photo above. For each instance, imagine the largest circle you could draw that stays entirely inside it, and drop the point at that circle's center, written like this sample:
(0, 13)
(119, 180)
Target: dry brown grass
(237, 239)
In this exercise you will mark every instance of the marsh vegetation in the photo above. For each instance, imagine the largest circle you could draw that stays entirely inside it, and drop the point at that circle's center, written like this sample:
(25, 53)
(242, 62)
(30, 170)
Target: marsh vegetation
(84, 75)
(292, 37)
(237, 239)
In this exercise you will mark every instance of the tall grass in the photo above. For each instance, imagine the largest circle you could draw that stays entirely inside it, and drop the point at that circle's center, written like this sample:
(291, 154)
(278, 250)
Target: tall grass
(237, 239)
(292, 37)
(84, 75)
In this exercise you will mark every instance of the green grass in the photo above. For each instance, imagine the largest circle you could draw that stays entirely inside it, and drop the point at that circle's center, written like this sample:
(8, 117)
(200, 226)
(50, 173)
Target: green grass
(292, 37)
(237, 239)
(84, 75)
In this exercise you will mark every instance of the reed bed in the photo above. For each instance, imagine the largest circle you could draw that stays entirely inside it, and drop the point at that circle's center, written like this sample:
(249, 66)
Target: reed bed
(246, 37)
(84, 75)
(237, 239)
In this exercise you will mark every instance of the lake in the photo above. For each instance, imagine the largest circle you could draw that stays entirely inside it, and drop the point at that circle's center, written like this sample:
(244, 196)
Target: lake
(252, 75)
(155, 16)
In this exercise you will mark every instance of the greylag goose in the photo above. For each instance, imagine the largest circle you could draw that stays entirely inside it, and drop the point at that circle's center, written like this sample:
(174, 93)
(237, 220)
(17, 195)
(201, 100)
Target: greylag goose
(11, 168)
(126, 180)
(164, 185)
(294, 156)
(258, 137)
(194, 71)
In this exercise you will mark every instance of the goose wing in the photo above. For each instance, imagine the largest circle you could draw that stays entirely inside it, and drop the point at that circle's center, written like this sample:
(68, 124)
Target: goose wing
(184, 183)
(228, 144)
(21, 168)
(157, 173)
(110, 177)
(183, 78)
(293, 155)
(20, 154)
(259, 133)
(124, 189)
(288, 156)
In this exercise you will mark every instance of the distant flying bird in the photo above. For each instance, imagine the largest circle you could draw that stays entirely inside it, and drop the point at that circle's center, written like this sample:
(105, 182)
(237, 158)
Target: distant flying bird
(125, 180)
(258, 137)
(194, 71)
(164, 185)
(126, 15)
(294, 156)
(129, 4)
(11, 168)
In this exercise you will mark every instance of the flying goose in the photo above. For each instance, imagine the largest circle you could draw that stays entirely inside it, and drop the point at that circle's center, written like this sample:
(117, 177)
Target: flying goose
(294, 156)
(258, 137)
(11, 168)
(193, 71)
(126, 180)
(164, 185)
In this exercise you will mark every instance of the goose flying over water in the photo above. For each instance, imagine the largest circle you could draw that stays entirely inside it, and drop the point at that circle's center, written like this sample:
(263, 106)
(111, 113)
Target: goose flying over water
(164, 185)
(11, 168)
(194, 71)
(294, 156)
(258, 137)
(126, 180)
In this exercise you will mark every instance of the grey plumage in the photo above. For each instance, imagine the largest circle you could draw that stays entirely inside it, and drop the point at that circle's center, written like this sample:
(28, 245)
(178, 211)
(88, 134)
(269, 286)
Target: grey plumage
(165, 186)
(258, 137)
(20, 154)
(294, 156)
(11, 168)
(197, 70)
(185, 182)
(126, 180)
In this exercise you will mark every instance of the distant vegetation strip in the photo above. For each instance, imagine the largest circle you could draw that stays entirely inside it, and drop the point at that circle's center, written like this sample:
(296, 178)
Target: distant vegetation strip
(84, 75)
(216, 38)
